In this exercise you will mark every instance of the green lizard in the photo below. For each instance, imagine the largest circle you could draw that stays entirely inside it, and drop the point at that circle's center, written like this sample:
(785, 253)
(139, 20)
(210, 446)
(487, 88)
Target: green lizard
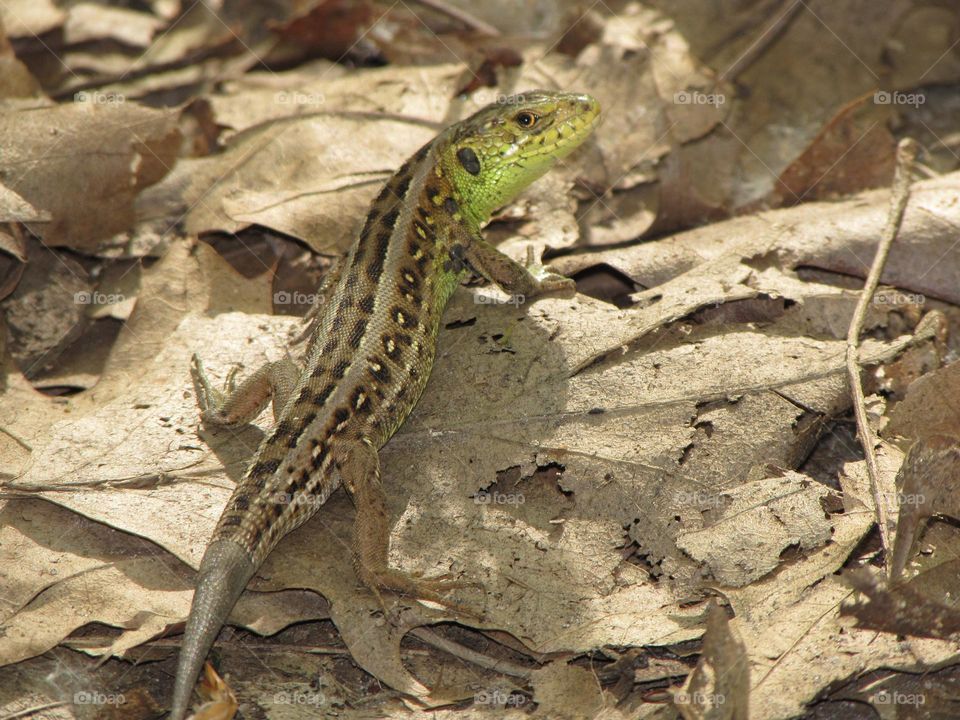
(370, 351)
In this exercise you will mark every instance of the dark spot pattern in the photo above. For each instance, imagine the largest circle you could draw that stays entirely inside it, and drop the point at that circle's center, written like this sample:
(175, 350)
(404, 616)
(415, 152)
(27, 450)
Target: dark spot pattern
(383, 374)
(391, 347)
(282, 429)
(295, 436)
(469, 160)
(356, 334)
(318, 459)
(403, 184)
(390, 219)
(424, 230)
(422, 153)
(321, 397)
(402, 316)
(340, 369)
(340, 318)
(410, 278)
(375, 265)
(264, 468)
(451, 206)
(361, 401)
(367, 303)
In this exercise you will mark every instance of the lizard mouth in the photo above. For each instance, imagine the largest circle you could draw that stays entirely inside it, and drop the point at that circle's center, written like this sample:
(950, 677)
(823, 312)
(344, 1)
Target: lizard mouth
(568, 134)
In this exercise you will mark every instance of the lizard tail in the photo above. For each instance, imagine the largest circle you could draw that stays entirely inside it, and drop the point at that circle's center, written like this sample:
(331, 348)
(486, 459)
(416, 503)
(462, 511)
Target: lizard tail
(225, 570)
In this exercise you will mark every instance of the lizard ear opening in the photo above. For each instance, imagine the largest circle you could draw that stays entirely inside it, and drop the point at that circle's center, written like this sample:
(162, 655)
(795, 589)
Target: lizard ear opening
(468, 158)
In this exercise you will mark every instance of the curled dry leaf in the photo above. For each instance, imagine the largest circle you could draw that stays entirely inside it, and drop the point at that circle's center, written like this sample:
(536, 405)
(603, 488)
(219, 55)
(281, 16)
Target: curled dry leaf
(928, 484)
(52, 157)
(219, 702)
(719, 686)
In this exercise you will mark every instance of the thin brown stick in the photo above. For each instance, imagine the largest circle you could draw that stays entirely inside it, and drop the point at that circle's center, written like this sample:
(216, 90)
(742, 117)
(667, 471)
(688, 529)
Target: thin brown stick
(461, 16)
(770, 33)
(472, 656)
(906, 156)
(34, 710)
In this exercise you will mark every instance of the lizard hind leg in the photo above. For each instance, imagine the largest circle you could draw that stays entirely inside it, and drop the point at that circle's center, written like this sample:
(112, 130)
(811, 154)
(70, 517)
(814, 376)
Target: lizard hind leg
(360, 473)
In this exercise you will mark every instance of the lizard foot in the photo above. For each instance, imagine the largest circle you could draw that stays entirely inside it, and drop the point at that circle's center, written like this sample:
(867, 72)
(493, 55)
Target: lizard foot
(548, 283)
(416, 587)
(209, 399)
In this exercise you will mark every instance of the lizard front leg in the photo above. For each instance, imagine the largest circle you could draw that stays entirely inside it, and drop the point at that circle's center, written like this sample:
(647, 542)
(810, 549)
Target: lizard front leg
(240, 405)
(359, 468)
(514, 278)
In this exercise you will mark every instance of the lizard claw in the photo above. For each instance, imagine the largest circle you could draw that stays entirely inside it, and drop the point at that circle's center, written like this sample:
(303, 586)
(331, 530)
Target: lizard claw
(547, 282)
(207, 395)
(416, 587)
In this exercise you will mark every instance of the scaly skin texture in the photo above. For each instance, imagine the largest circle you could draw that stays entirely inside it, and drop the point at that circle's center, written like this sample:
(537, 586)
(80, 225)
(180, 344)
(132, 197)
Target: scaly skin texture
(370, 351)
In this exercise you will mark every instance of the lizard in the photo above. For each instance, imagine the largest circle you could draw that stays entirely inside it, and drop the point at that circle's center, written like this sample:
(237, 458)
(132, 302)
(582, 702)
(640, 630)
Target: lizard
(369, 351)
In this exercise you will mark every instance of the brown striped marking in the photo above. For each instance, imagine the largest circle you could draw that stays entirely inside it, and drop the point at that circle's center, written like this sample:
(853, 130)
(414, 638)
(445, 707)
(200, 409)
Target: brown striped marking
(295, 437)
(356, 334)
(379, 257)
(264, 468)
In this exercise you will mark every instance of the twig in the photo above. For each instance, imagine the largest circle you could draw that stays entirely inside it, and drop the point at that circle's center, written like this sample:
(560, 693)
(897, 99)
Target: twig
(33, 710)
(770, 33)
(472, 656)
(461, 16)
(906, 155)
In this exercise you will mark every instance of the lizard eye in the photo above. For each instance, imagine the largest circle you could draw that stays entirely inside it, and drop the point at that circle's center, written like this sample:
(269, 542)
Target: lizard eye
(526, 119)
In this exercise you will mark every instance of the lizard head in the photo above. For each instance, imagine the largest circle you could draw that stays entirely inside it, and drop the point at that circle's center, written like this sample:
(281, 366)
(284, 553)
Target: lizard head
(495, 153)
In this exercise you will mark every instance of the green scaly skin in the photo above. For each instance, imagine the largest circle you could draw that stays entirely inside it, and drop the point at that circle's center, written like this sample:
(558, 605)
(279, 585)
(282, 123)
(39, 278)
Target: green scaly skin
(371, 349)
